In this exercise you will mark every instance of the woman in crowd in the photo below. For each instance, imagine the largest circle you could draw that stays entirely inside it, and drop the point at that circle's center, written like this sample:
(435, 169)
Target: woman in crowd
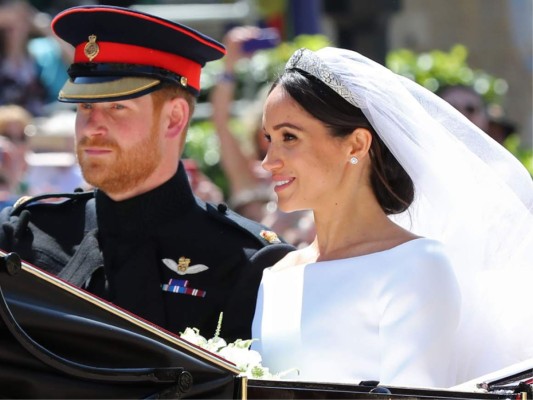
(415, 219)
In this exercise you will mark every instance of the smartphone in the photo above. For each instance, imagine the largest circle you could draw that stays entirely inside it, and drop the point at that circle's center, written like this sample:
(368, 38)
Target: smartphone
(267, 39)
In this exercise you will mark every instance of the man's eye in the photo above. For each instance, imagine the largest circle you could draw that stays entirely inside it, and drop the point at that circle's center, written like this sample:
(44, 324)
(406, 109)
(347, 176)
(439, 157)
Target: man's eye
(268, 138)
(118, 106)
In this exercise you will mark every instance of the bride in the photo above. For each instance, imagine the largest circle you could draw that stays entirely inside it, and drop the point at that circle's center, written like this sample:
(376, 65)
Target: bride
(418, 213)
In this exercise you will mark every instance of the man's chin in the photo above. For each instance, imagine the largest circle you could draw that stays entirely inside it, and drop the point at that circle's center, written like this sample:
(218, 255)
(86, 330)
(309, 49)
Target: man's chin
(95, 175)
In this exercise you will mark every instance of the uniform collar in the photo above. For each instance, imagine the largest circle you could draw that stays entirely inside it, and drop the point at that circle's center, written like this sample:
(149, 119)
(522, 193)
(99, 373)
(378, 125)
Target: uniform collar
(144, 213)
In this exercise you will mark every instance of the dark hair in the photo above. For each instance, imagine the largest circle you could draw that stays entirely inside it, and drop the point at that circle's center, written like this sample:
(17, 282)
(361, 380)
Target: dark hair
(392, 186)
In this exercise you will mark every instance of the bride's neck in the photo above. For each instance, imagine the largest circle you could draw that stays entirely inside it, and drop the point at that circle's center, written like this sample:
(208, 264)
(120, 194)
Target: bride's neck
(355, 236)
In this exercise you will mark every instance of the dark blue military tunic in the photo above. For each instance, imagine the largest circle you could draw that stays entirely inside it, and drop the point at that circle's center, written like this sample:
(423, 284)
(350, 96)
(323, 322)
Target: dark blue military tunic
(164, 255)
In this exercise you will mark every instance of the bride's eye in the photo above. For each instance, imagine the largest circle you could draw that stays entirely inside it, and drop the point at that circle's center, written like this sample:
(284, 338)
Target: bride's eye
(288, 137)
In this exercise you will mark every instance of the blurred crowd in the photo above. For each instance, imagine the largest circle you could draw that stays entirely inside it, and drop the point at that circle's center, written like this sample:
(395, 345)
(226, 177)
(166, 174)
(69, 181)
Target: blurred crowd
(34, 156)
(37, 133)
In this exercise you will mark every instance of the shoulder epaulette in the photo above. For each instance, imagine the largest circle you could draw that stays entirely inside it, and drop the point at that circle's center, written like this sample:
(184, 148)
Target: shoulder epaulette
(223, 213)
(26, 201)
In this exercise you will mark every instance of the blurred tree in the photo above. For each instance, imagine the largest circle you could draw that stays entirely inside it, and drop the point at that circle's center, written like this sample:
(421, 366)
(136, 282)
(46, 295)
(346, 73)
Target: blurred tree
(438, 68)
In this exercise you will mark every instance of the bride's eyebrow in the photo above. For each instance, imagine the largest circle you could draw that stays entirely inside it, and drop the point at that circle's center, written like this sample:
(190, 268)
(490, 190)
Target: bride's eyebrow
(287, 125)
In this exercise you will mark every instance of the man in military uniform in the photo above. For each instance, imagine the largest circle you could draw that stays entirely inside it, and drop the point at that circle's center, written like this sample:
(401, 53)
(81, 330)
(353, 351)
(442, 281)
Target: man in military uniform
(141, 239)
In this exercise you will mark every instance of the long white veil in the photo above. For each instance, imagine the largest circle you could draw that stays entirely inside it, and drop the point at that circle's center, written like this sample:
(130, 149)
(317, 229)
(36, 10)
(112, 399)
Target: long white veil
(471, 194)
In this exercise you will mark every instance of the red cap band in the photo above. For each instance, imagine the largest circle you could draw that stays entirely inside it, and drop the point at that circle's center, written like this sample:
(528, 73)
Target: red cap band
(130, 54)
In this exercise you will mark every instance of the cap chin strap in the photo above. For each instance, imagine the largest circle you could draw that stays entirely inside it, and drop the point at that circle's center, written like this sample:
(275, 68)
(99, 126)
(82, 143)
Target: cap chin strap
(121, 89)
(91, 83)
(130, 70)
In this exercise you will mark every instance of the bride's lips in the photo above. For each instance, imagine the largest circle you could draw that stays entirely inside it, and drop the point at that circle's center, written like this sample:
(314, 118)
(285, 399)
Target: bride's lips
(280, 183)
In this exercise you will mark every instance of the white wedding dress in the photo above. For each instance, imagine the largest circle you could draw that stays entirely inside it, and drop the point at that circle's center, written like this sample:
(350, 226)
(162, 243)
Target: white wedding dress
(389, 316)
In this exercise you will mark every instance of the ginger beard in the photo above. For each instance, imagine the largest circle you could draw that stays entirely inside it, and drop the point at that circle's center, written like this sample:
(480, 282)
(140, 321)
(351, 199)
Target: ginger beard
(128, 169)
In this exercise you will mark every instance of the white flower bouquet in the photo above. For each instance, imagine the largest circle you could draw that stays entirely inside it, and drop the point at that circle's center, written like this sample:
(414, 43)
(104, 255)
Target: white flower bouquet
(248, 361)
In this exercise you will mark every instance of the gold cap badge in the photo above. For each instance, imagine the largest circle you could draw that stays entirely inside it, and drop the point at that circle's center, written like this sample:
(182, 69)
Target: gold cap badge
(183, 81)
(91, 49)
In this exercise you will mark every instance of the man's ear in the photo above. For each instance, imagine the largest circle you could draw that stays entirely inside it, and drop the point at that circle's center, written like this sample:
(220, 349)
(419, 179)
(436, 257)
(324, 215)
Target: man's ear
(178, 116)
(360, 141)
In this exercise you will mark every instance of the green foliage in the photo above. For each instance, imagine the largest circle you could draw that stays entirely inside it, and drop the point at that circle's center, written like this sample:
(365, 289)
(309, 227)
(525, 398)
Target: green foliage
(436, 68)
(268, 8)
(202, 146)
(524, 154)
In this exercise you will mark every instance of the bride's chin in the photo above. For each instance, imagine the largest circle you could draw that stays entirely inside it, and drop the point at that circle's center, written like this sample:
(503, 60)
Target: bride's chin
(287, 208)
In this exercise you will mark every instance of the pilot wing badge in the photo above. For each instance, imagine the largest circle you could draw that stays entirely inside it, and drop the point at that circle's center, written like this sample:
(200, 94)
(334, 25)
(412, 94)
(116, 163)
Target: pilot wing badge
(183, 267)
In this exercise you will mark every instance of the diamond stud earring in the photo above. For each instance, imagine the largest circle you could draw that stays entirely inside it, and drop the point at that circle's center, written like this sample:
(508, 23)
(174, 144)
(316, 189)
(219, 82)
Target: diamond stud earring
(354, 160)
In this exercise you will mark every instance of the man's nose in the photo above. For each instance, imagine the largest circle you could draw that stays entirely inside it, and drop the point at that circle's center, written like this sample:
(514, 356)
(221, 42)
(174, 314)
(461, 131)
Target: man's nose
(92, 122)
